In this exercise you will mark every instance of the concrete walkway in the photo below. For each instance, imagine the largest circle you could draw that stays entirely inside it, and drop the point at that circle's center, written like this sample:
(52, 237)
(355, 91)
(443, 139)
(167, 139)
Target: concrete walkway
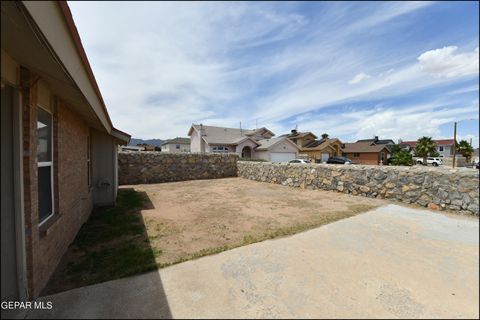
(393, 262)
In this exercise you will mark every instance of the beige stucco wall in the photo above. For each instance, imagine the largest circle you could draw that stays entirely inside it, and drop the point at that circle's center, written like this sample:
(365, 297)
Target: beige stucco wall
(246, 143)
(265, 155)
(171, 147)
(194, 141)
(283, 146)
(103, 168)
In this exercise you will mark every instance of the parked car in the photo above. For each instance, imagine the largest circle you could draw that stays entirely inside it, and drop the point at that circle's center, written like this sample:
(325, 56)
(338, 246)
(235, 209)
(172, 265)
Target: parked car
(475, 165)
(430, 160)
(339, 160)
(299, 161)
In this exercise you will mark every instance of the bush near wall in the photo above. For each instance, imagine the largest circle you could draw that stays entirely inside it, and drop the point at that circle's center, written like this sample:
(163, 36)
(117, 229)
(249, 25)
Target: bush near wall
(437, 188)
(157, 167)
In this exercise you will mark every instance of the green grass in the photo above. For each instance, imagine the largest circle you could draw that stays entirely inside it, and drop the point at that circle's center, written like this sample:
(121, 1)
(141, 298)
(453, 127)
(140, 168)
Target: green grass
(106, 224)
(112, 244)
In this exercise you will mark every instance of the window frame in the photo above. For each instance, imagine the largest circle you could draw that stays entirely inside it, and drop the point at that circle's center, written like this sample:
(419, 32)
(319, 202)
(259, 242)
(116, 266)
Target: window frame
(47, 164)
(89, 162)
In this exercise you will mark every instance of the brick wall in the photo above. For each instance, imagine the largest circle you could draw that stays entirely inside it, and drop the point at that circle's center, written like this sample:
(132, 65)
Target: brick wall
(366, 158)
(46, 245)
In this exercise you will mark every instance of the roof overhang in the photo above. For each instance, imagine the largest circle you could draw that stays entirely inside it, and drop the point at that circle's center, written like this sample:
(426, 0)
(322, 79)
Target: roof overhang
(277, 142)
(42, 36)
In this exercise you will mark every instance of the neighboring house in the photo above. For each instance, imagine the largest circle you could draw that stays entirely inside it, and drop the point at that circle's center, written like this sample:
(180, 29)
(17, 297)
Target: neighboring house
(475, 156)
(301, 138)
(177, 145)
(59, 146)
(315, 150)
(258, 143)
(376, 141)
(321, 150)
(131, 148)
(368, 151)
(146, 147)
(444, 146)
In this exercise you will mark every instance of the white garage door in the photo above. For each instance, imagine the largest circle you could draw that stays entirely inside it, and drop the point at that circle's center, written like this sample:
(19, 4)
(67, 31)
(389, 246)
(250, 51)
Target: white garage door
(282, 156)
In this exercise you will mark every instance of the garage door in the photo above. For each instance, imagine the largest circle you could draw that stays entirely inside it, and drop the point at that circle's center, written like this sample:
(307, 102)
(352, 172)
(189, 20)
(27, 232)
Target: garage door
(282, 156)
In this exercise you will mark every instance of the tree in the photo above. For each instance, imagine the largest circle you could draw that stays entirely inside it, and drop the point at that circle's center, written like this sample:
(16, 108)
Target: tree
(324, 135)
(426, 147)
(465, 149)
(400, 157)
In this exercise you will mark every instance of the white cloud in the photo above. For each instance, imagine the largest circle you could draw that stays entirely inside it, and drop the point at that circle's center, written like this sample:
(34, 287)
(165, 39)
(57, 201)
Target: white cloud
(445, 63)
(176, 63)
(393, 121)
(359, 77)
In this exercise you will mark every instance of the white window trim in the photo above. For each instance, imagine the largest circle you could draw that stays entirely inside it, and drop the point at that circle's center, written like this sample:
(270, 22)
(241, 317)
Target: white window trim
(48, 164)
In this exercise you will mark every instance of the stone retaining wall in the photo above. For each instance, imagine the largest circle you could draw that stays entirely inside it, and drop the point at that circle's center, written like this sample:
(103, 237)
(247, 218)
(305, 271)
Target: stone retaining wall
(437, 188)
(157, 167)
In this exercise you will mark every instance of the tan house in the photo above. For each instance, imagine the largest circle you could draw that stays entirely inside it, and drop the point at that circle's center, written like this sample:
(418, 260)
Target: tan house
(177, 145)
(315, 150)
(320, 150)
(258, 143)
(59, 146)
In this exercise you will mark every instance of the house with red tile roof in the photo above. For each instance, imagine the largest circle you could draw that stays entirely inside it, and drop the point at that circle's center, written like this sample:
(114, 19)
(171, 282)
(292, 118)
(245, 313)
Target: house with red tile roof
(444, 146)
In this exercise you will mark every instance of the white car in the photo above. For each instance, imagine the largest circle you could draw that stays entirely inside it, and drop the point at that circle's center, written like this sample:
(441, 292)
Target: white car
(430, 160)
(299, 161)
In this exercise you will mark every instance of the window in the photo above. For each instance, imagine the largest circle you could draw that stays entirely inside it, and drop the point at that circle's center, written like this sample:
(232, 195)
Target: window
(45, 165)
(177, 146)
(220, 149)
(356, 155)
(89, 161)
(440, 148)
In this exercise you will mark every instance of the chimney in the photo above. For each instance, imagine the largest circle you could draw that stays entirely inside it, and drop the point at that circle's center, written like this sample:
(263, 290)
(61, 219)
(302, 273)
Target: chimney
(202, 130)
(376, 139)
(294, 131)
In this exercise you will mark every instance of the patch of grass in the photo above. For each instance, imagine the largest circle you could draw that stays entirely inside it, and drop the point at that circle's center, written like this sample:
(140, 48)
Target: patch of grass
(115, 262)
(106, 224)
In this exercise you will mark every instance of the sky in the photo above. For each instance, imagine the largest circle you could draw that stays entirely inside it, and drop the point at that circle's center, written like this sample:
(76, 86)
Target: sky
(354, 70)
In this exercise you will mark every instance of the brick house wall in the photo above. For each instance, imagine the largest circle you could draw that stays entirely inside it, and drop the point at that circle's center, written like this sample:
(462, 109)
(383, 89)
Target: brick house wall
(372, 158)
(45, 245)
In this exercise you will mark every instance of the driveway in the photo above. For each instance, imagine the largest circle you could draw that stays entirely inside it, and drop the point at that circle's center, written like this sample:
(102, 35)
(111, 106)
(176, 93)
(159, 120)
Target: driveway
(391, 262)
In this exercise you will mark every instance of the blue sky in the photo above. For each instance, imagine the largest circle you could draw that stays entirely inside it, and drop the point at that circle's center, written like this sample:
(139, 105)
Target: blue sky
(398, 70)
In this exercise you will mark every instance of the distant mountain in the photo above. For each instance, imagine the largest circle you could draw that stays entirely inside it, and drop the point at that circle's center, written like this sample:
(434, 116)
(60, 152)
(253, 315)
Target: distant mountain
(152, 142)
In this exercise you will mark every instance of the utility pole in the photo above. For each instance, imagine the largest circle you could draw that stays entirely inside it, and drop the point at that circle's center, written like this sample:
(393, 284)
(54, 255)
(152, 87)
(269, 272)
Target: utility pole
(454, 143)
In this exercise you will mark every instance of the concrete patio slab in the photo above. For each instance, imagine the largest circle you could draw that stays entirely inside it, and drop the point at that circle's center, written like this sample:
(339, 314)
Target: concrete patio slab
(391, 262)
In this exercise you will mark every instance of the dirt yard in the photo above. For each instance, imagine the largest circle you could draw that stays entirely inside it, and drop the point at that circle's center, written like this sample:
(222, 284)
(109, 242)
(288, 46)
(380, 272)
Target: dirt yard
(157, 225)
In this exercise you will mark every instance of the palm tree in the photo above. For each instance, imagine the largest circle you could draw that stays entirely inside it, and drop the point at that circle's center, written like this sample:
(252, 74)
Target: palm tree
(425, 147)
(465, 149)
